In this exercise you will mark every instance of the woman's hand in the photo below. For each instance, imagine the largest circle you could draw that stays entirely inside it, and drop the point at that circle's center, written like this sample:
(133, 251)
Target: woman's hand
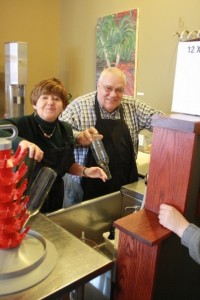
(172, 219)
(34, 151)
(86, 137)
(95, 172)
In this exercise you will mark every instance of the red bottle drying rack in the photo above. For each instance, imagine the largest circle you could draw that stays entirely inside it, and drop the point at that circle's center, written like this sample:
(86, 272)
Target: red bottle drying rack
(13, 213)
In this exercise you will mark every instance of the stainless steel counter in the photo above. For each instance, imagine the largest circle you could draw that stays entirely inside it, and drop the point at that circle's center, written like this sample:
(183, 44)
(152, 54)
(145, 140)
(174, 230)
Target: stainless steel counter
(135, 190)
(77, 263)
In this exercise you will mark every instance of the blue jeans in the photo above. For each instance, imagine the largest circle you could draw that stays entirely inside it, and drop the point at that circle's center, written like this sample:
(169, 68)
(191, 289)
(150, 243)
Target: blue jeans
(73, 193)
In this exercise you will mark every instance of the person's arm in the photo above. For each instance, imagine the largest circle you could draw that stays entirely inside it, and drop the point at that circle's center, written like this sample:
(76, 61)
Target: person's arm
(173, 220)
(80, 114)
(92, 172)
(84, 138)
(144, 114)
(191, 239)
(33, 150)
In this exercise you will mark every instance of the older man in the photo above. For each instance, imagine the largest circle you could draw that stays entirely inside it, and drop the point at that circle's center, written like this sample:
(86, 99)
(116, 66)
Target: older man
(119, 119)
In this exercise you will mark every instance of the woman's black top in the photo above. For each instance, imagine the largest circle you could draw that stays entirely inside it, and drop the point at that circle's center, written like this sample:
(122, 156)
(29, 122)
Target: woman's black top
(58, 150)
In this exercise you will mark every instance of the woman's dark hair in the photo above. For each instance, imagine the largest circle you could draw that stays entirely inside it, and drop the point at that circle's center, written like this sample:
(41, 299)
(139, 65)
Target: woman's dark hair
(51, 86)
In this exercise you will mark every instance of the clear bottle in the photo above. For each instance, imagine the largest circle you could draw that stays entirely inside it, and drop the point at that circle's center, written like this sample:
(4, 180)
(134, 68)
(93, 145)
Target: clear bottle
(40, 189)
(100, 155)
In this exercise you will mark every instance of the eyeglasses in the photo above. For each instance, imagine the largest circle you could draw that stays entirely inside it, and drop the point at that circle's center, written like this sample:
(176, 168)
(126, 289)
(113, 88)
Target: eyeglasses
(108, 89)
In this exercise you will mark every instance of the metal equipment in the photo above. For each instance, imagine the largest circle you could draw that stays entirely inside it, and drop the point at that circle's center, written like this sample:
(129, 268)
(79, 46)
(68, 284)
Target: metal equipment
(15, 78)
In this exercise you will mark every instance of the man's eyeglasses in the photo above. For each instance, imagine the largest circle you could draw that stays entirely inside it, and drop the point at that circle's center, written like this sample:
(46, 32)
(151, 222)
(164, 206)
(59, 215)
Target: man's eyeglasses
(108, 89)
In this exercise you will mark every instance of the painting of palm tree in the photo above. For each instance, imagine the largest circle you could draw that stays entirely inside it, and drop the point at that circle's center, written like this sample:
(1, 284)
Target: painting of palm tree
(116, 44)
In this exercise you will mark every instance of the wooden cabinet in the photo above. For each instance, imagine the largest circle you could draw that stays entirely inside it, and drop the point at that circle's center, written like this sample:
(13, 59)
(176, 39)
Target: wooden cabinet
(151, 262)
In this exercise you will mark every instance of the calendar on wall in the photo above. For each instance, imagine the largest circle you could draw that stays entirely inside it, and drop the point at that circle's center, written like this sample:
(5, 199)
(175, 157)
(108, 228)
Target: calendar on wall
(186, 93)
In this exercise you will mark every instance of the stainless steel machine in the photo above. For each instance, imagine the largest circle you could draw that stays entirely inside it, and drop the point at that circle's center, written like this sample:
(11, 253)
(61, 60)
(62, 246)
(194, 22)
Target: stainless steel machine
(15, 78)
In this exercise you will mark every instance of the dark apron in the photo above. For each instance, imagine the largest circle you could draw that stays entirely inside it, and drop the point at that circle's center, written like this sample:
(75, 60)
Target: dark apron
(60, 160)
(122, 164)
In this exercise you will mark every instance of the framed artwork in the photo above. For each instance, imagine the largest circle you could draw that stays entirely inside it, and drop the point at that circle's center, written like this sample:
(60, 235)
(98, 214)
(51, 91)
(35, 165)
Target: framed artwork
(116, 45)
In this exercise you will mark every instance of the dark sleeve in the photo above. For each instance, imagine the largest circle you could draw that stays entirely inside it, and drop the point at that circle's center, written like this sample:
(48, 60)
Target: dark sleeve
(191, 239)
(69, 132)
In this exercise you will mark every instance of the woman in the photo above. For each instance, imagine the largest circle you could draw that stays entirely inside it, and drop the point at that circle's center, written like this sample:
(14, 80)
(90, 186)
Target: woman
(50, 141)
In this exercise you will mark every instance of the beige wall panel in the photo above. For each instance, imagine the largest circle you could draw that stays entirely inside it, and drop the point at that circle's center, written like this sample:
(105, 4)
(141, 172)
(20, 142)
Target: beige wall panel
(61, 42)
(37, 23)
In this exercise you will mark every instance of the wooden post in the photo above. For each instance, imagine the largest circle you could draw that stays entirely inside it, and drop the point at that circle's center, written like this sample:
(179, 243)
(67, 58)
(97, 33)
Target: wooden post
(151, 262)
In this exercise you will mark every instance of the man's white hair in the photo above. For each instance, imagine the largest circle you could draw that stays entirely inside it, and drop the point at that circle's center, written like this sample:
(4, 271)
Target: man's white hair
(113, 70)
